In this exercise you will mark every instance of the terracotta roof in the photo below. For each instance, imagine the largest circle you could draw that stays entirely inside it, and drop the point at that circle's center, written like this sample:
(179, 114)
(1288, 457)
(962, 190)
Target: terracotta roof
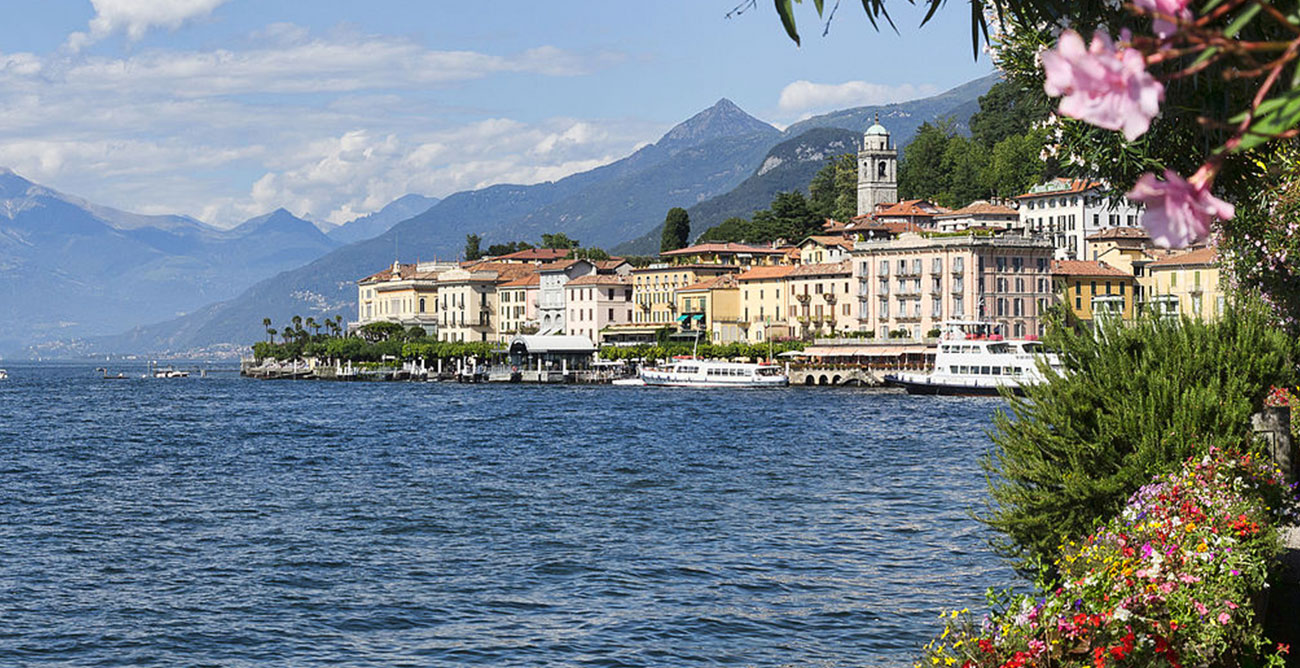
(910, 207)
(1205, 255)
(560, 265)
(729, 247)
(716, 283)
(681, 267)
(766, 273)
(832, 225)
(535, 255)
(824, 269)
(1086, 268)
(1120, 233)
(405, 272)
(600, 279)
(1074, 187)
(610, 264)
(980, 208)
(527, 281)
(831, 241)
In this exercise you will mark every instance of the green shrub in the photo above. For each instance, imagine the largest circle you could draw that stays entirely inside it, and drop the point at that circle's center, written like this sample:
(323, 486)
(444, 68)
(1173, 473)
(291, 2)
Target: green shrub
(1134, 401)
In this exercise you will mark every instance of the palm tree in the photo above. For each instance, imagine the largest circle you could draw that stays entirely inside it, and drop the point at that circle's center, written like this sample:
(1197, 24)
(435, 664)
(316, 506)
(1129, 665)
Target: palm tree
(270, 334)
(287, 334)
(266, 322)
(311, 324)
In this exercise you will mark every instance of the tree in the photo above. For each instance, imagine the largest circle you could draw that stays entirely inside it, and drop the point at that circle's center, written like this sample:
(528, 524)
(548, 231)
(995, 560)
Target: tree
(677, 230)
(266, 322)
(1007, 110)
(559, 241)
(472, 251)
(497, 250)
(791, 218)
(591, 254)
(1016, 164)
(833, 192)
(921, 171)
(965, 173)
(733, 229)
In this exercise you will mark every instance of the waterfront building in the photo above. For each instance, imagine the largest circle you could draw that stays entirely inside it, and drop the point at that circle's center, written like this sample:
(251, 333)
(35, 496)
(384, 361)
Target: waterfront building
(517, 306)
(763, 299)
(823, 249)
(729, 253)
(1068, 211)
(468, 299)
(711, 308)
(821, 299)
(550, 305)
(877, 169)
(403, 293)
(537, 354)
(1186, 283)
(654, 289)
(596, 301)
(1093, 290)
(911, 284)
(978, 215)
(532, 256)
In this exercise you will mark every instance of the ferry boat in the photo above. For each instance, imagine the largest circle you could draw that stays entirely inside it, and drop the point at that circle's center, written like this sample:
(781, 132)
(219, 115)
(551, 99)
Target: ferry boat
(974, 359)
(714, 373)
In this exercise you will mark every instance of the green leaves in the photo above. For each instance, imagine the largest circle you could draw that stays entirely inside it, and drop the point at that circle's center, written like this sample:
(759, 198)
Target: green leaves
(1275, 116)
(786, 11)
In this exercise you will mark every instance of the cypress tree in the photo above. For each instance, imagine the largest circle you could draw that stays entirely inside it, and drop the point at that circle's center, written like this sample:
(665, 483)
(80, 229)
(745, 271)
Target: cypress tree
(677, 230)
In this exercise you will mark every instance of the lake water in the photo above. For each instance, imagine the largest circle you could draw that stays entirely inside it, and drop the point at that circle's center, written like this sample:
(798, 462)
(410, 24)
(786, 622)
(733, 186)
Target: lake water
(232, 522)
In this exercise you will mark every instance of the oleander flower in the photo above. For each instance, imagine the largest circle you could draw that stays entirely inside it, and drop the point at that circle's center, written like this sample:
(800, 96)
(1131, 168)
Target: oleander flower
(1163, 27)
(1178, 211)
(1102, 85)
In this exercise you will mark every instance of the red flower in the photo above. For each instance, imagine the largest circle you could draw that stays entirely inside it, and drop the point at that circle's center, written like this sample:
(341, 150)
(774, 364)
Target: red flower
(1099, 657)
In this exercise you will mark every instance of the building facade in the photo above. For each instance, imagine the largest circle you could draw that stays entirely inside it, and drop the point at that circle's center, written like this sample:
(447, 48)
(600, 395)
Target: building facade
(1068, 211)
(654, 289)
(763, 301)
(517, 306)
(1187, 283)
(711, 308)
(595, 302)
(1094, 290)
(403, 293)
(908, 286)
(821, 299)
(551, 309)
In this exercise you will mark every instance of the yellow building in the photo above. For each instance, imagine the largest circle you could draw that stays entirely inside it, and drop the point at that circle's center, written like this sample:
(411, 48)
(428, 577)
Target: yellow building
(1092, 289)
(1186, 283)
(821, 299)
(711, 307)
(468, 301)
(824, 249)
(740, 255)
(654, 289)
(403, 293)
(763, 301)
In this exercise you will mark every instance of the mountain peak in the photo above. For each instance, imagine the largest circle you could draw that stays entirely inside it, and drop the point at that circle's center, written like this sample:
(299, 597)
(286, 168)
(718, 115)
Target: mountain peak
(723, 119)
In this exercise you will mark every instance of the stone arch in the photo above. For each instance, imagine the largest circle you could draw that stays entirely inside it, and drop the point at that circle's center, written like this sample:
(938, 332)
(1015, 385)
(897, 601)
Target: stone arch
(835, 380)
(881, 170)
(822, 380)
(808, 380)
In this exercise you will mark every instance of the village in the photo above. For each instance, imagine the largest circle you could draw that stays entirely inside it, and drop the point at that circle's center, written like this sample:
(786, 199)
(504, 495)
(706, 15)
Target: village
(870, 292)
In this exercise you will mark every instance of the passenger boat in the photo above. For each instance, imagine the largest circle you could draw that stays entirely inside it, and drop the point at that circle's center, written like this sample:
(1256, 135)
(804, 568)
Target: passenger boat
(714, 373)
(973, 359)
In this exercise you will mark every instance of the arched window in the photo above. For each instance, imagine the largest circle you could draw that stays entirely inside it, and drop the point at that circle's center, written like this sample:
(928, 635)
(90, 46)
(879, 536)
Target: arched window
(881, 169)
(421, 304)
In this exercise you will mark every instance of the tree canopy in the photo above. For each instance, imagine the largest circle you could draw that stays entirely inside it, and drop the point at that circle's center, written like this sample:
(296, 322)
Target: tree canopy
(677, 230)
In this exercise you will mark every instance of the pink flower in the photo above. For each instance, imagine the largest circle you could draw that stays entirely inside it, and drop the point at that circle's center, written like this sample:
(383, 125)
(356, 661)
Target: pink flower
(1178, 211)
(1224, 618)
(1170, 8)
(1102, 85)
(1200, 607)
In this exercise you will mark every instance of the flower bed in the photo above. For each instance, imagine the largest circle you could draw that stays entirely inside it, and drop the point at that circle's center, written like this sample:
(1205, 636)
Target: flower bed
(1173, 580)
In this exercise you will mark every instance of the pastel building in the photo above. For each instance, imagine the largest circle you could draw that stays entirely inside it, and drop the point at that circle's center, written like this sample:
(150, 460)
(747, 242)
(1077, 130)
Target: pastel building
(654, 289)
(978, 215)
(712, 308)
(1186, 283)
(730, 253)
(821, 299)
(1094, 290)
(825, 248)
(403, 293)
(517, 306)
(764, 297)
(912, 284)
(468, 300)
(595, 302)
(1068, 211)
(550, 305)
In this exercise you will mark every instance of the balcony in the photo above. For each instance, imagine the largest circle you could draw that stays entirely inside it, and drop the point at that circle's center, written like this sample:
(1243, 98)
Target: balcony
(829, 297)
(803, 299)
(908, 317)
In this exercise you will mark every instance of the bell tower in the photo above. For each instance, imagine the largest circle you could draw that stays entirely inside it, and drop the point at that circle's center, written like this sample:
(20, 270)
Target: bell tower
(877, 169)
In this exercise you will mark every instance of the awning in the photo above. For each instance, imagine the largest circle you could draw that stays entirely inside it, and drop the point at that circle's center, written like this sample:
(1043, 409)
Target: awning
(682, 318)
(699, 317)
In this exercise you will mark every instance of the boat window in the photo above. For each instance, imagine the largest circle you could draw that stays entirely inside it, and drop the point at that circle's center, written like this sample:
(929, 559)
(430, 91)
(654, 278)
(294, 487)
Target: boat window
(952, 369)
(713, 372)
(998, 348)
(1012, 370)
(997, 371)
(965, 369)
(984, 370)
(748, 372)
(689, 369)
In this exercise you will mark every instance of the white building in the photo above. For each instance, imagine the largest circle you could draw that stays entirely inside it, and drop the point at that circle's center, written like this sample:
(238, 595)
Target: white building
(978, 214)
(1068, 211)
(877, 169)
(550, 297)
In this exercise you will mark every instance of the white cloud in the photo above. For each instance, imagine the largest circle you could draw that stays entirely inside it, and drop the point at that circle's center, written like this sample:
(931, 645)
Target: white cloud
(136, 17)
(805, 98)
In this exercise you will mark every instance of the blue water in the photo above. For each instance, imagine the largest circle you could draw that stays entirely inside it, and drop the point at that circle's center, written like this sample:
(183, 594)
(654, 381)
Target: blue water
(232, 522)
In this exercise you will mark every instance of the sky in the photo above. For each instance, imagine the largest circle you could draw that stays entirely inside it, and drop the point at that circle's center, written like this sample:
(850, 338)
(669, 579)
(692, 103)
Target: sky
(227, 109)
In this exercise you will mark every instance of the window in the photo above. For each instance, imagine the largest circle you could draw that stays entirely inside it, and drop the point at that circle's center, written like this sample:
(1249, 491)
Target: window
(936, 266)
(958, 310)
(611, 314)
(884, 267)
(421, 304)
(1121, 288)
(1017, 263)
(1002, 307)
(1092, 285)
(1002, 264)
(959, 264)
(1020, 285)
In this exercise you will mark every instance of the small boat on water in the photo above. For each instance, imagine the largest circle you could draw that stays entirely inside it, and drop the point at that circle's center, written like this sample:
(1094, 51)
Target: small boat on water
(714, 373)
(974, 359)
(3, 374)
(166, 372)
(111, 376)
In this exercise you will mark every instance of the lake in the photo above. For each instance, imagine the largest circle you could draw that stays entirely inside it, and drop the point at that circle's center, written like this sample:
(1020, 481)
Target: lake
(231, 522)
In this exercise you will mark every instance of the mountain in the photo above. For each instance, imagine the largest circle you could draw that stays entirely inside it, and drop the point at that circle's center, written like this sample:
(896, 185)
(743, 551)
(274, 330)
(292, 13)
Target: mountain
(71, 268)
(375, 224)
(702, 158)
(789, 166)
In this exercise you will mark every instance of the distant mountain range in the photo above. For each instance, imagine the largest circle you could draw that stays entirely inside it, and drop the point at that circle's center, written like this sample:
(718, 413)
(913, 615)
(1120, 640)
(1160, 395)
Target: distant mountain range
(375, 224)
(718, 163)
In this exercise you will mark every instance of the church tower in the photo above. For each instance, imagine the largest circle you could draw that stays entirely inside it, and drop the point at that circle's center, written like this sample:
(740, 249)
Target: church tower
(877, 169)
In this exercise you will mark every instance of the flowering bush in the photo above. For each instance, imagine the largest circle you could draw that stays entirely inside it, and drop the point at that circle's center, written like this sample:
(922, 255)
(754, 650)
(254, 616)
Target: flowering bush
(1171, 581)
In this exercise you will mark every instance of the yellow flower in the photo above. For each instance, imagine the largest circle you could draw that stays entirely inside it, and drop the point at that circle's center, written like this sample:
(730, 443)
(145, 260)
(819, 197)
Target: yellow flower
(949, 661)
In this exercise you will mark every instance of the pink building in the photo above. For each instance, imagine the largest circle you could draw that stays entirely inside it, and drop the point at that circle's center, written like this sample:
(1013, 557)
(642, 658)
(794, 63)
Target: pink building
(912, 284)
(597, 301)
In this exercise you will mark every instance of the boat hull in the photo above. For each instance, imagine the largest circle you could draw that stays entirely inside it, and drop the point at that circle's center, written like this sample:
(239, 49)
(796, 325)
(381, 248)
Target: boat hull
(913, 386)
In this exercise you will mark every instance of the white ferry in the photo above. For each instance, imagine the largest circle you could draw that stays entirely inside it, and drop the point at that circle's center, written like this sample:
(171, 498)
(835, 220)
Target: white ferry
(973, 359)
(714, 373)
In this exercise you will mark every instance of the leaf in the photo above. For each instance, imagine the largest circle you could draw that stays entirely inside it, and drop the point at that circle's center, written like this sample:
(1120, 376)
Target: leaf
(1241, 20)
(1281, 117)
(786, 10)
(818, 4)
